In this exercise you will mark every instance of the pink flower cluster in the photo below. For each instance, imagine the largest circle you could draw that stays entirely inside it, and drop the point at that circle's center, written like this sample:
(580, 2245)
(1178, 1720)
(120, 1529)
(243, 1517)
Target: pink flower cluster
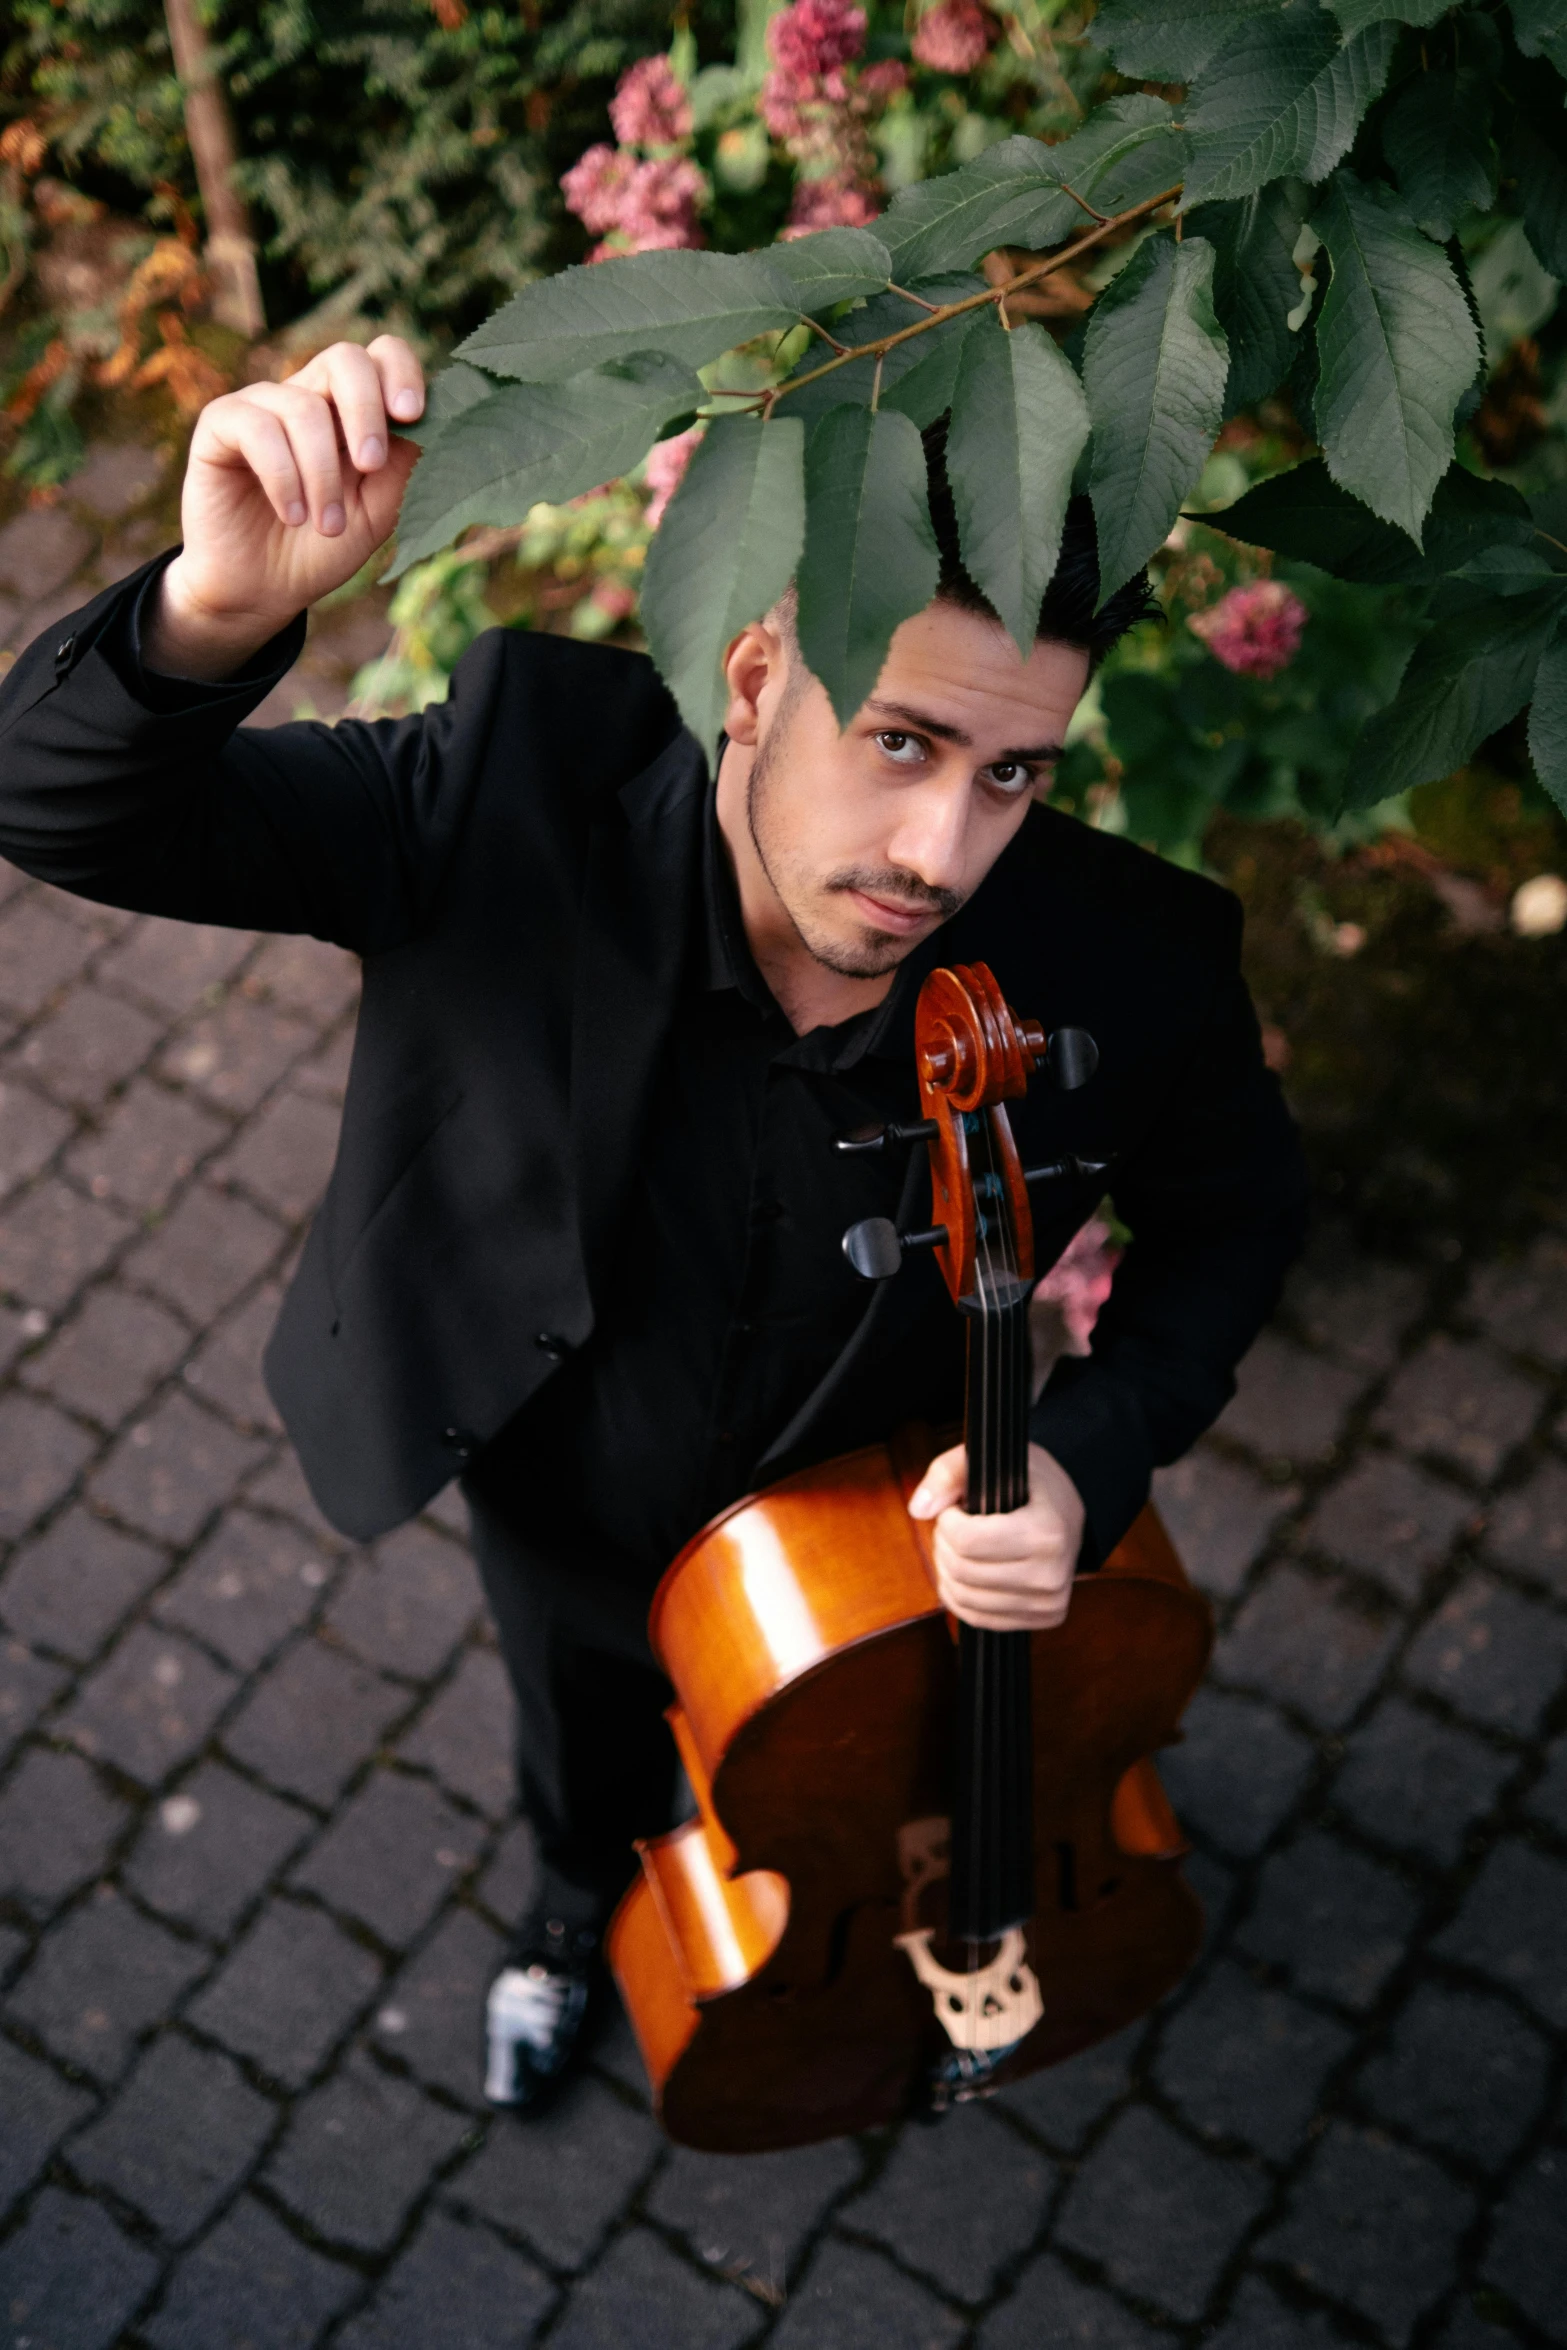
(1078, 1283)
(641, 203)
(810, 104)
(666, 470)
(650, 108)
(1255, 630)
(954, 37)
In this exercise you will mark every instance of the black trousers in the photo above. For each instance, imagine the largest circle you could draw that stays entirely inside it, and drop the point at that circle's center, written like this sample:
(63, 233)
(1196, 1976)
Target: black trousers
(596, 1765)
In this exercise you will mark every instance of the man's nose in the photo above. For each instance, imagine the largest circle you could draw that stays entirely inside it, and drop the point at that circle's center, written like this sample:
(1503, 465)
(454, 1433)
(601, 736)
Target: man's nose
(930, 840)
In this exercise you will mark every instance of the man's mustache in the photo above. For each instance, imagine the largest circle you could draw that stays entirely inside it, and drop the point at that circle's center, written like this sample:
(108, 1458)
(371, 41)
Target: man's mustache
(897, 889)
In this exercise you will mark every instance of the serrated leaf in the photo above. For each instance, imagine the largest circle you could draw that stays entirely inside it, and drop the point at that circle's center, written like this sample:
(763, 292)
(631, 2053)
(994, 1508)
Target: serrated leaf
(529, 443)
(723, 555)
(870, 559)
(1304, 516)
(448, 393)
(691, 306)
(1282, 99)
(1168, 40)
(832, 265)
(1540, 29)
(1154, 364)
(1468, 677)
(1437, 137)
(1255, 285)
(1356, 15)
(933, 355)
(1019, 422)
(1548, 721)
(1540, 170)
(1398, 348)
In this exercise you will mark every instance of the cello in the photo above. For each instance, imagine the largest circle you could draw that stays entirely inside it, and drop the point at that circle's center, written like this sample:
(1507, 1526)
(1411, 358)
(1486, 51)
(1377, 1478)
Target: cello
(925, 1859)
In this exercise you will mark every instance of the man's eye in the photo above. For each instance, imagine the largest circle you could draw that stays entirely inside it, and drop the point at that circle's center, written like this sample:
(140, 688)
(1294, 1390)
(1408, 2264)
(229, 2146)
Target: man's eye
(903, 747)
(1010, 775)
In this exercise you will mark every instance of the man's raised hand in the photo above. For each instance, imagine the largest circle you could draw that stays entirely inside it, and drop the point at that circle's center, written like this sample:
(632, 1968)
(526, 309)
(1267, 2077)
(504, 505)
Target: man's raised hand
(1012, 1572)
(289, 488)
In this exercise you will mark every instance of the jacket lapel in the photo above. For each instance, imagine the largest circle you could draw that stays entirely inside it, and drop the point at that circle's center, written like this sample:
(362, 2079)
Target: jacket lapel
(644, 865)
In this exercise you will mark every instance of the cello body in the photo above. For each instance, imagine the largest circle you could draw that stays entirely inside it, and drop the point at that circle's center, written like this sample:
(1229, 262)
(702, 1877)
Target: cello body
(773, 1955)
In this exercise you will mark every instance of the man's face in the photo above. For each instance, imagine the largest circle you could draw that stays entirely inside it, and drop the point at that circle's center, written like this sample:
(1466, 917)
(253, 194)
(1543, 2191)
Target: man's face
(873, 836)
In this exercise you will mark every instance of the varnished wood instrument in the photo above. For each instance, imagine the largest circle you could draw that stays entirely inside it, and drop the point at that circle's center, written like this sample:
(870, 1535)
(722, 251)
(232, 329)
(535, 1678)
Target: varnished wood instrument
(926, 1860)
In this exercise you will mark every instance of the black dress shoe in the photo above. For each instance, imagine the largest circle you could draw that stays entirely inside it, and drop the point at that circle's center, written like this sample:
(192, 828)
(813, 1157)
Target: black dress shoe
(534, 2013)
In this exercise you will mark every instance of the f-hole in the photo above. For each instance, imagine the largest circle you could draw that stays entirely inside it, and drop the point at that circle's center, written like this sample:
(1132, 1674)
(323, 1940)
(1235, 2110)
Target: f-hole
(1066, 1870)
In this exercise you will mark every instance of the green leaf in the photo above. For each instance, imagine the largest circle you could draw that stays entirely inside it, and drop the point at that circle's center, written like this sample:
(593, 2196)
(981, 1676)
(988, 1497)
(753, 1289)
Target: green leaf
(1548, 721)
(454, 389)
(1467, 678)
(1255, 285)
(723, 555)
(691, 306)
(1281, 98)
(536, 442)
(1398, 348)
(1304, 516)
(1019, 421)
(1168, 40)
(833, 265)
(1437, 137)
(1540, 170)
(1540, 29)
(1154, 364)
(916, 376)
(870, 560)
(1356, 15)
(1127, 151)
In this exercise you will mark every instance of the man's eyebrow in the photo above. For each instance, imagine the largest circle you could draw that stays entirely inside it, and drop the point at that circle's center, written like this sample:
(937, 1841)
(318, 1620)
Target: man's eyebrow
(955, 734)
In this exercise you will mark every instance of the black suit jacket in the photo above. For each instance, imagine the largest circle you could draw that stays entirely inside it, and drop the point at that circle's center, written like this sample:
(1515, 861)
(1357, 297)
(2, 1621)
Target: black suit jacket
(512, 866)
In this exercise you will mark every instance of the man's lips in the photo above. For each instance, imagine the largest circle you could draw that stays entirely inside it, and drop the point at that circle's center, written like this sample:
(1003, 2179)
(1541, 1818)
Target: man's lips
(893, 914)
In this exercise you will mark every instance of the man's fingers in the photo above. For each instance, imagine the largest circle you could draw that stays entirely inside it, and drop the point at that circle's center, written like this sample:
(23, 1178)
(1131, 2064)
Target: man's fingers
(1012, 1534)
(350, 379)
(1032, 1573)
(308, 421)
(1019, 1612)
(237, 430)
(402, 378)
(943, 1484)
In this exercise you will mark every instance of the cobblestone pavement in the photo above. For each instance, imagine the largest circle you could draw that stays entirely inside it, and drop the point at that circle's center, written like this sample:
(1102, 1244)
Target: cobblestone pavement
(255, 1853)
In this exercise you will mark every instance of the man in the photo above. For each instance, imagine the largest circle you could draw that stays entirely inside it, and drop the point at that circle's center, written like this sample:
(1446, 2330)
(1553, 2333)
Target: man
(581, 1245)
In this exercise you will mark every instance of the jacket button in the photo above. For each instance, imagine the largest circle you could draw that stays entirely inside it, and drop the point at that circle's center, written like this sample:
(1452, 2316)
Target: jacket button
(64, 655)
(461, 1440)
(548, 1343)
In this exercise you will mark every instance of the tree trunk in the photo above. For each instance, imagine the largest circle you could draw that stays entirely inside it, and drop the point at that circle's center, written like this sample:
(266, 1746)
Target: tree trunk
(231, 250)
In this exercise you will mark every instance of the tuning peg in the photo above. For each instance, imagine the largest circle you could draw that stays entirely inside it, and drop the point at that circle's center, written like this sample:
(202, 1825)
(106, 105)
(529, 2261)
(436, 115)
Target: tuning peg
(1067, 1166)
(876, 1138)
(875, 1247)
(1072, 1057)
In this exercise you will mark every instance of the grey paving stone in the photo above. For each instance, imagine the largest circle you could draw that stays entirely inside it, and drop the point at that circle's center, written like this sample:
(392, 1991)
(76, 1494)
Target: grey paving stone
(40, 548)
(281, 1486)
(392, 1855)
(38, 953)
(358, 2152)
(71, 1586)
(1462, 2072)
(250, 2286)
(1238, 1770)
(69, 2279)
(1336, 1921)
(150, 1705)
(116, 476)
(431, 2016)
(307, 976)
(1219, 1516)
(1259, 2320)
(1471, 2329)
(172, 965)
(110, 1358)
(1050, 2309)
(206, 1851)
(1390, 1520)
(1248, 2063)
(1307, 1643)
(99, 1980)
(251, 1583)
(465, 1734)
(207, 1250)
(41, 1455)
(561, 2181)
(506, 1887)
(324, 1074)
(312, 1720)
(87, 1046)
(1373, 2224)
(284, 1155)
(236, 1054)
(39, 2108)
(52, 1241)
(1417, 1782)
(226, 1369)
(1523, 1302)
(147, 1142)
(1192, 2211)
(614, 2052)
(1290, 1405)
(1527, 2255)
(1064, 2102)
(31, 1131)
(1214, 1884)
(750, 2215)
(1356, 1306)
(1528, 1528)
(16, 1330)
(406, 1604)
(454, 2287)
(56, 1827)
(958, 2203)
(641, 2293)
(1461, 1402)
(169, 1472)
(182, 2131)
(27, 1683)
(1547, 1798)
(13, 1945)
(1494, 1656)
(287, 1992)
(1513, 1927)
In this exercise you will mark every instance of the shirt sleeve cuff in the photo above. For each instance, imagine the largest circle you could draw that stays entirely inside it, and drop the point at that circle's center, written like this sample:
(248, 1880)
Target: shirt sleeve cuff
(1093, 1424)
(123, 640)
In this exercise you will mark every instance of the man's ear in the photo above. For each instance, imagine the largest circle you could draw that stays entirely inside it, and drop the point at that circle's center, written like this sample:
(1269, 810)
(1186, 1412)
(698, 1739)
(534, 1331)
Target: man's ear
(756, 661)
